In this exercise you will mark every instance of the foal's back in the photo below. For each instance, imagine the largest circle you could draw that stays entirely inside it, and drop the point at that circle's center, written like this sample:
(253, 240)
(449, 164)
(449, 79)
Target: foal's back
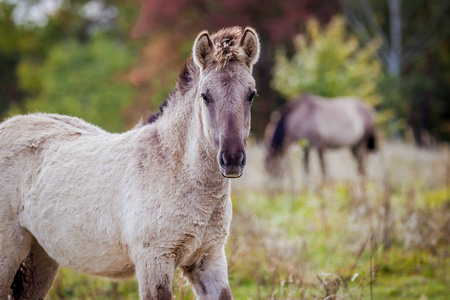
(29, 132)
(25, 139)
(27, 136)
(40, 125)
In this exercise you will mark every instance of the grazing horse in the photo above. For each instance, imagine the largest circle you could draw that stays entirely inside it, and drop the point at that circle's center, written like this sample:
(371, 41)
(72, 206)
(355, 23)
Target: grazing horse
(323, 124)
(143, 202)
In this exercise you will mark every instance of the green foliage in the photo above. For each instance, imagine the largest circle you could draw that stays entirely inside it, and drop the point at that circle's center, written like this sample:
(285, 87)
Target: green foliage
(416, 93)
(79, 79)
(12, 39)
(329, 63)
(26, 66)
(415, 102)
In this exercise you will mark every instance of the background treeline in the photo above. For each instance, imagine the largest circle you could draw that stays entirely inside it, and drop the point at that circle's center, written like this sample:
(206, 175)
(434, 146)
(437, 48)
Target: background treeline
(111, 62)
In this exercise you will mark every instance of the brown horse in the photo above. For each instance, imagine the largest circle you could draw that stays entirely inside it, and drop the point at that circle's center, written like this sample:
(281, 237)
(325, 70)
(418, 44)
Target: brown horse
(323, 124)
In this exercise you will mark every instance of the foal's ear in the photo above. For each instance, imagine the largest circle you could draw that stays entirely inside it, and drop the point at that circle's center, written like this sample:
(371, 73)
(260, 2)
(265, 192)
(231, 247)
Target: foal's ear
(250, 45)
(203, 51)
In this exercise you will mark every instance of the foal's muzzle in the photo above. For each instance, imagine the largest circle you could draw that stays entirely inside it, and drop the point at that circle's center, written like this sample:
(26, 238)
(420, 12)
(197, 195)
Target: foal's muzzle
(232, 163)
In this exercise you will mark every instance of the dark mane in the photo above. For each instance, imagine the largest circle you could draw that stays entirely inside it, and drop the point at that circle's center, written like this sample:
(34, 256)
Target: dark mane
(226, 44)
(186, 77)
(155, 116)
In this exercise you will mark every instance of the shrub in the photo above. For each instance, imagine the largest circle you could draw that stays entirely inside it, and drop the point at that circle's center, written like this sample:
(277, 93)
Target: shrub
(328, 62)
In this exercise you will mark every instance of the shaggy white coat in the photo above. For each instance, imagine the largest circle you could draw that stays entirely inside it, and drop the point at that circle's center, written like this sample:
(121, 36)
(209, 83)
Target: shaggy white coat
(142, 202)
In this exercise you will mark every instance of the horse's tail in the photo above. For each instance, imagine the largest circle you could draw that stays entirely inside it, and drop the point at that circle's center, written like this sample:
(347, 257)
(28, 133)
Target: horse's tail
(370, 128)
(371, 141)
(276, 144)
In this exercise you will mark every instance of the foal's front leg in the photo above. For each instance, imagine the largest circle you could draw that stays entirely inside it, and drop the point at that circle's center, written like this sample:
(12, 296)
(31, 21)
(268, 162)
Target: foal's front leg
(154, 273)
(209, 275)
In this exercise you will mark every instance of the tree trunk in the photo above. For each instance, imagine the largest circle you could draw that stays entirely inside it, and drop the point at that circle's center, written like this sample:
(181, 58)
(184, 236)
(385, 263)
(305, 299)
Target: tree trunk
(395, 53)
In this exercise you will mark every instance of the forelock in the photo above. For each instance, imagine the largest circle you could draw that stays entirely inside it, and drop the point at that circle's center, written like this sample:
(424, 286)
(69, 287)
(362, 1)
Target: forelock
(226, 43)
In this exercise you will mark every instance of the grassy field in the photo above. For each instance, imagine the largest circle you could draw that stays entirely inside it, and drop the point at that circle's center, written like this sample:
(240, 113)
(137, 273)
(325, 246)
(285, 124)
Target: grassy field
(292, 237)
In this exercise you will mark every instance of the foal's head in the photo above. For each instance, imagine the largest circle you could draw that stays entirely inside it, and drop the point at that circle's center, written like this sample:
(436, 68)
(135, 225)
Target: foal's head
(226, 90)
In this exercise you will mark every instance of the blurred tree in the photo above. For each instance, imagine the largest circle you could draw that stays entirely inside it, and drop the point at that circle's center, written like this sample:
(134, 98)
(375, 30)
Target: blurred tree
(415, 40)
(77, 79)
(362, 18)
(178, 22)
(327, 62)
(13, 41)
(28, 35)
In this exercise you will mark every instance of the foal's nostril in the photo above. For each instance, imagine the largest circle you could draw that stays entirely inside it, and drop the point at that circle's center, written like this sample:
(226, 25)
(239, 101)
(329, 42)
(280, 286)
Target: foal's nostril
(243, 159)
(239, 159)
(230, 159)
(223, 160)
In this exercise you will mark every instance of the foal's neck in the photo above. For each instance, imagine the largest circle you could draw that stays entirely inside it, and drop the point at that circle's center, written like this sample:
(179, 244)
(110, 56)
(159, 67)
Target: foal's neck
(194, 155)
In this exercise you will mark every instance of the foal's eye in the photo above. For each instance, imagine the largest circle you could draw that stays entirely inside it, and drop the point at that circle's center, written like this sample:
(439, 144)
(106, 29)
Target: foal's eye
(251, 96)
(205, 98)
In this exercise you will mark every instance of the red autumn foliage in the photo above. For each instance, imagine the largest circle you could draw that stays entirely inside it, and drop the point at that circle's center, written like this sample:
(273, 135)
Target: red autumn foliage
(275, 21)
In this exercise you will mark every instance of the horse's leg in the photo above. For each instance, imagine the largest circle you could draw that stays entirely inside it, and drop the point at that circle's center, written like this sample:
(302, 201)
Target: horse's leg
(306, 159)
(306, 152)
(154, 273)
(320, 151)
(358, 153)
(209, 275)
(15, 244)
(35, 276)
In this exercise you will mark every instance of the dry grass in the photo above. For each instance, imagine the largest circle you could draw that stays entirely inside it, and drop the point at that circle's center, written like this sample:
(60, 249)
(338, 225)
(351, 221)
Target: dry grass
(401, 165)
